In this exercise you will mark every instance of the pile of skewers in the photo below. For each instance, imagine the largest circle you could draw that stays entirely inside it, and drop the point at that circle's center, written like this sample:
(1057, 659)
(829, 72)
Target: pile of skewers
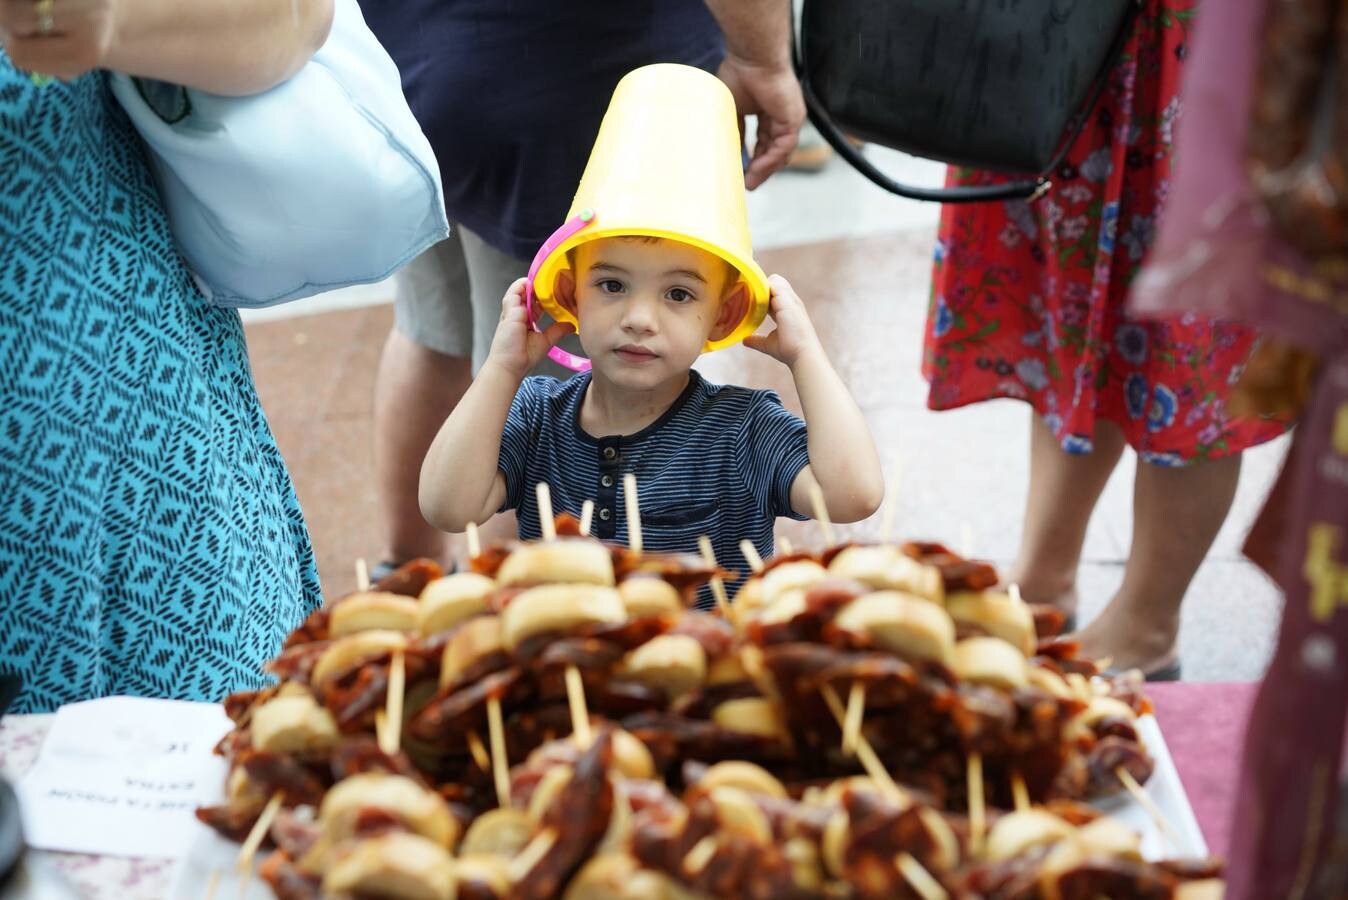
(872, 721)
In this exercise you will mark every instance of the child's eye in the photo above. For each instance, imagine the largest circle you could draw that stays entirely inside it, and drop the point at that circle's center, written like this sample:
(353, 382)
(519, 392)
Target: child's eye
(679, 295)
(610, 286)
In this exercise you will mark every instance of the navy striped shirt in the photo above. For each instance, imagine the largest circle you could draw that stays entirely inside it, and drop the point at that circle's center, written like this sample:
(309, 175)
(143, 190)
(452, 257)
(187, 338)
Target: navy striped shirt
(719, 462)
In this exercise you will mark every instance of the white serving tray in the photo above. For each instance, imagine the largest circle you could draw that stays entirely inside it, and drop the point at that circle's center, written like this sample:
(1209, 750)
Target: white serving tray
(210, 853)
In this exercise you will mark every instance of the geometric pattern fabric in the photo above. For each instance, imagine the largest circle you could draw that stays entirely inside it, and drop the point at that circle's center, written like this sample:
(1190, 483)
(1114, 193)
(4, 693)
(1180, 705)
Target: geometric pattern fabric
(150, 539)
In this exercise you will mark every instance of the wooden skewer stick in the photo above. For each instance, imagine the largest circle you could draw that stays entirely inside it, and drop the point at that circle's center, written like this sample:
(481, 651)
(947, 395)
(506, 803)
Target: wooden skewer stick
(532, 854)
(256, 836)
(784, 544)
(474, 541)
(1141, 796)
(1014, 591)
(866, 754)
(545, 520)
(633, 512)
(856, 710)
(751, 555)
(580, 713)
(214, 884)
(977, 813)
(479, 750)
(717, 585)
(391, 739)
(821, 512)
(362, 575)
(1020, 795)
(380, 727)
(918, 878)
(586, 517)
(500, 766)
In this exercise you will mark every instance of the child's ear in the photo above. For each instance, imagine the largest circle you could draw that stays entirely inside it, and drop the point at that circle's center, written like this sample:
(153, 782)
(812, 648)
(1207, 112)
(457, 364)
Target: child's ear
(733, 307)
(564, 291)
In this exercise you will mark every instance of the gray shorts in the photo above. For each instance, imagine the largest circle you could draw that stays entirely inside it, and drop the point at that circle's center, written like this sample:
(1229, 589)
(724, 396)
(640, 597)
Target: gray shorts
(448, 299)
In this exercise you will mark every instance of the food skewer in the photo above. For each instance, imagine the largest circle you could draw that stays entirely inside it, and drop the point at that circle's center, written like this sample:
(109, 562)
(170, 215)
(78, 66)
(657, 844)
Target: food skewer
(1020, 795)
(214, 884)
(821, 513)
(751, 555)
(633, 512)
(918, 878)
(362, 575)
(478, 750)
(250, 845)
(717, 585)
(784, 545)
(856, 710)
(866, 754)
(474, 541)
(586, 517)
(1013, 591)
(580, 714)
(966, 540)
(575, 688)
(545, 520)
(500, 766)
(391, 738)
(977, 813)
(1130, 783)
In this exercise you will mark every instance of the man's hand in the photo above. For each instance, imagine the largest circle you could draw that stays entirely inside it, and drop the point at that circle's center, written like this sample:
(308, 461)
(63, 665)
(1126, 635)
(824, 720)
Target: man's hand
(516, 347)
(61, 38)
(772, 93)
(794, 337)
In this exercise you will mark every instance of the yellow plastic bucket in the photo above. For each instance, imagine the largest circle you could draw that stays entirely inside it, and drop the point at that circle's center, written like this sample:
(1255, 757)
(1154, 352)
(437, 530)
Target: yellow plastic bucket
(666, 164)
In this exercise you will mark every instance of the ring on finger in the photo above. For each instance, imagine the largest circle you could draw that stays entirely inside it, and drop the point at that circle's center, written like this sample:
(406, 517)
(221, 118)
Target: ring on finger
(45, 22)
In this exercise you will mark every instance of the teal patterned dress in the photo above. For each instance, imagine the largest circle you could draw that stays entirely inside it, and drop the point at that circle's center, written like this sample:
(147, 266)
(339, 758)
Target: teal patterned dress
(150, 539)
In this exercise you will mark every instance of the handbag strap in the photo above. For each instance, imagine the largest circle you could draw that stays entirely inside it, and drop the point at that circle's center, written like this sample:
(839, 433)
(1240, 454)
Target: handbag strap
(1011, 190)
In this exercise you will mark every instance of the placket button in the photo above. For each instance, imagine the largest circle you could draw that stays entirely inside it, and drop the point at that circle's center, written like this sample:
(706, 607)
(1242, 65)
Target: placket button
(610, 453)
(607, 481)
(605, 514)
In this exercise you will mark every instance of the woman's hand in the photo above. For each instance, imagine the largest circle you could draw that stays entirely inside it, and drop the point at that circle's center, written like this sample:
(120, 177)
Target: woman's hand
(61, 38)
(516, 347)
(794, 336)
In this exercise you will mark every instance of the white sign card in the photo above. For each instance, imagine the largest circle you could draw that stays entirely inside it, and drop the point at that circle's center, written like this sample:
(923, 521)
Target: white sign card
(121, 776)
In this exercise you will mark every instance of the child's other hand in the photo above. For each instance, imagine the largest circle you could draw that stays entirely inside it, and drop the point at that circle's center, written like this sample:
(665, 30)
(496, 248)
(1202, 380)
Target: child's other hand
(517, 348)
(794, 335)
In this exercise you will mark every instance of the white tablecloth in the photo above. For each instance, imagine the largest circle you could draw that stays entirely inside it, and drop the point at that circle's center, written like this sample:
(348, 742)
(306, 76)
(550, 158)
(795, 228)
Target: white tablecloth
(95, 877)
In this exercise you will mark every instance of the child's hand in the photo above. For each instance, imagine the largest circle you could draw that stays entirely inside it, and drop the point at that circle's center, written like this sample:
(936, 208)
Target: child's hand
(517, 348)
(794, 335)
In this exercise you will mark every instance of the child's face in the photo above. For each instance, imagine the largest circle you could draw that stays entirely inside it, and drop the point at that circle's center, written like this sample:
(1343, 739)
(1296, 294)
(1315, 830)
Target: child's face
(646, 306)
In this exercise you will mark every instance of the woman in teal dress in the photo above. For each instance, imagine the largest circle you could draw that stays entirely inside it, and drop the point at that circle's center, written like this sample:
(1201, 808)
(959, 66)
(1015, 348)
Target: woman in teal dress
(150, 539)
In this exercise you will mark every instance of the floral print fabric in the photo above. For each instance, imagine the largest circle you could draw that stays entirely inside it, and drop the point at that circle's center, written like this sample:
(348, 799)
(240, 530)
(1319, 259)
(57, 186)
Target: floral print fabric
(1028, 298)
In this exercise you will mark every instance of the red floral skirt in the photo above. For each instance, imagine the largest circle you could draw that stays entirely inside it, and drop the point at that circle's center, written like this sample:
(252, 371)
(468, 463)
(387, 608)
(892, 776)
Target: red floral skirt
(1028, 299)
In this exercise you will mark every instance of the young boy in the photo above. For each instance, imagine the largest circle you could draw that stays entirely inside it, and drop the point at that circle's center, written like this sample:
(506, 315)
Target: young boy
(723, 461)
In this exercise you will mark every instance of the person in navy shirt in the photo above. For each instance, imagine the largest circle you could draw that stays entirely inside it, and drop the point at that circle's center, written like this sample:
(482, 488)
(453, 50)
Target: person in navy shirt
(723, 461)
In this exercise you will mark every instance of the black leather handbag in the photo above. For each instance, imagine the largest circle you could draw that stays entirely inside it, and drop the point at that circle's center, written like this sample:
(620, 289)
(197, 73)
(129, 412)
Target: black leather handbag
(1002, 85)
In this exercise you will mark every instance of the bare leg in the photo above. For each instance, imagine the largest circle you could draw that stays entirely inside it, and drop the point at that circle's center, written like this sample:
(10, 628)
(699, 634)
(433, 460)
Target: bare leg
(1176, 516)
(415, 390)
(1063, 491)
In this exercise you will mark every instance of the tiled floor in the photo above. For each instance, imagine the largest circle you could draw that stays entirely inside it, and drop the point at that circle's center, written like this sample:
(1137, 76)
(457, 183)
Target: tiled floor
(860, 260)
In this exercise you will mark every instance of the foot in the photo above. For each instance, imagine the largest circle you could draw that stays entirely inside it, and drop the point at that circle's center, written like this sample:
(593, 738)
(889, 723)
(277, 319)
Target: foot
(1060, 597)
(1131, 640)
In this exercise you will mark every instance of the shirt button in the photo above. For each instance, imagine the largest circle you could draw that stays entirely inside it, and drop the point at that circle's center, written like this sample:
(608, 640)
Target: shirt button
(609, 453)
(604, 514)
(607, 481)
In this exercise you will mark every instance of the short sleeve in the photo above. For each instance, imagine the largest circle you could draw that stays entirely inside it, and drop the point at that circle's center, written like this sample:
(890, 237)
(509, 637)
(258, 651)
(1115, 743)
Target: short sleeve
(521, 429)
(773, 451)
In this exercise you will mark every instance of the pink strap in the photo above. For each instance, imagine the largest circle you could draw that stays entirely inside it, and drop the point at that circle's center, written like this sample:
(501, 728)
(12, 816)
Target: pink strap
(556, 354)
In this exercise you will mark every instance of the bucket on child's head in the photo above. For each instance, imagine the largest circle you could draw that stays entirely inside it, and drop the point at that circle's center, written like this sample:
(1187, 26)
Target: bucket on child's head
(666, 164)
